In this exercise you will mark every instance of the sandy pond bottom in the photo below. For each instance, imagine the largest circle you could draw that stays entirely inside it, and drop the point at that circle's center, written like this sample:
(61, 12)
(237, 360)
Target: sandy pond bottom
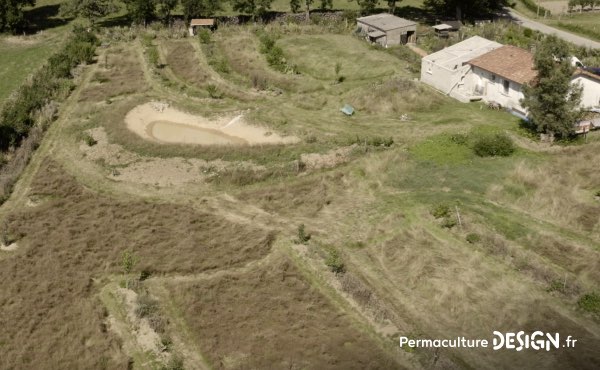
(164, 124)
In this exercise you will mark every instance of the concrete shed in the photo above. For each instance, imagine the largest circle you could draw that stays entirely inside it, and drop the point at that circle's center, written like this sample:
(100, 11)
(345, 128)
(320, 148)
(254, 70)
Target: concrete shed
(387, 29)
(446, 69)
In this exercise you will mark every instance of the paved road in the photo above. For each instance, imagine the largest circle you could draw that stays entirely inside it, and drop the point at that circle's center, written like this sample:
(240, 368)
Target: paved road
(567, 36)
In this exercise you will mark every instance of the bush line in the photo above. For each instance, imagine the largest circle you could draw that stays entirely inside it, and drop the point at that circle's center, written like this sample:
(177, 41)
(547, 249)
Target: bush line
(31, 108)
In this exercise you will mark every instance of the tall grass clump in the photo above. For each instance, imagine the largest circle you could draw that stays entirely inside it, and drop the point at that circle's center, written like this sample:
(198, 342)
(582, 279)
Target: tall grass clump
(399, 95)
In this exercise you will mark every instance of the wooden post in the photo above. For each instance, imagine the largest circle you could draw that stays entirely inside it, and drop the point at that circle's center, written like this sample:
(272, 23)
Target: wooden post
(458, 217)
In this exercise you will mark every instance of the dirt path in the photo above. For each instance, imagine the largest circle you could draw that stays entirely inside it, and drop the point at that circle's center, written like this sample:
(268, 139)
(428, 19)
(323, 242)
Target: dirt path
(422, 53)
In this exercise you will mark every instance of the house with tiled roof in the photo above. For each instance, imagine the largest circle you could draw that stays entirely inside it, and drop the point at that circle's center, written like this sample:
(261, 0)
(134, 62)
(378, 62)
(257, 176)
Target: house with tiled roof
(499, 75)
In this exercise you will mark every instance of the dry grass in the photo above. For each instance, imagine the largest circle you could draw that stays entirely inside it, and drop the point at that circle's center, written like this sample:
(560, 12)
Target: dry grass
(304, 197)
(120, 74)
(560, 190)
(272, 318)
(48, 307)
(399, 95)
(247, 61)
(181, 58)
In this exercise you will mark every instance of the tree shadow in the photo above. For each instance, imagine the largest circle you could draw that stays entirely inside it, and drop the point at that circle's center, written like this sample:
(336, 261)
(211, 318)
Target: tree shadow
(414, 14)
(120, 21)
(44, 18)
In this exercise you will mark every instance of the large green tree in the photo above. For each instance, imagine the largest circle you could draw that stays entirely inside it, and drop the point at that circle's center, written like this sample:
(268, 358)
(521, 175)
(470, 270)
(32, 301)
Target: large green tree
(141, 11)
(199, 8)
(392, 5)
(11, 14)
(552, 101)
(252, 7)
(165, 8)
(89, 9)
(462, 9)
(367, 6)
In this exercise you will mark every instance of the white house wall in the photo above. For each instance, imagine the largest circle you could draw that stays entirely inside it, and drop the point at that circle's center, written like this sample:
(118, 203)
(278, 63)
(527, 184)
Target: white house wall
(441, 78)
(492, 88)
(591, 91)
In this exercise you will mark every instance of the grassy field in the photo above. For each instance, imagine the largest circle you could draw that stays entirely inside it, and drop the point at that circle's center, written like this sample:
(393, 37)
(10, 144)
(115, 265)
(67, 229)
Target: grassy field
(410, 232)
(20, 56)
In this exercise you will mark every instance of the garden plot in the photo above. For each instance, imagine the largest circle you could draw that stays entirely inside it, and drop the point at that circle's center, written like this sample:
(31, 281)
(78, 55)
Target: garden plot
(161, 123)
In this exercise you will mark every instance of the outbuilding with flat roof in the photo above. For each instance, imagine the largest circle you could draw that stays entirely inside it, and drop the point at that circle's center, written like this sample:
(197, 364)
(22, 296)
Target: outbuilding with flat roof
(446, 69)
(387, 29)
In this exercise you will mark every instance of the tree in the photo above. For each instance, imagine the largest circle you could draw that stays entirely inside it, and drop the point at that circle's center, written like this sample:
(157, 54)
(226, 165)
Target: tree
(199, 8)
(295, 6)
(252, 7)
(392, 5)
(552, 101)
(165, 8)
(367, 6)
(464, 8)
(307, 4)
(89, 9)
(11, 14)
(140, 11)
(326, 4)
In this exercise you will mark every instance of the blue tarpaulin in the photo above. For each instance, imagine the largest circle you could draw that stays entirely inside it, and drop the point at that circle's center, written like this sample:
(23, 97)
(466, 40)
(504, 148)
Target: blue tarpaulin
(348, 110)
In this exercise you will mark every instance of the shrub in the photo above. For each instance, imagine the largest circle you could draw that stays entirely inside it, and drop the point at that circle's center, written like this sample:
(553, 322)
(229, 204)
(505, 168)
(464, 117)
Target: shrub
(334, 262)
(146, 306)
(89, 140)
(152, 52)
(303, 237)
(440, 211)
(341, 79)
(556, 286)
(590, 303)
(213, 92)
(490, 145)
(220, 65)
(598, 193)
(460, 139)
(144, 274)
(204, 36)
(175, 363)
(448, 222)
(473, 238)
(381, 141)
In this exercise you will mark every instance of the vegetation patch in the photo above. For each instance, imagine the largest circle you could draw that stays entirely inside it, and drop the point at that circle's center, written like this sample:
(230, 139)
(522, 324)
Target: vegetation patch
(590, 303)
(296, 312)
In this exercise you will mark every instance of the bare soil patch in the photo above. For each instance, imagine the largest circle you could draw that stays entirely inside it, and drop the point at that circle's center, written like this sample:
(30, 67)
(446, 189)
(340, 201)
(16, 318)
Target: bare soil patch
(169, 125)
(273, 318)
(49, 310)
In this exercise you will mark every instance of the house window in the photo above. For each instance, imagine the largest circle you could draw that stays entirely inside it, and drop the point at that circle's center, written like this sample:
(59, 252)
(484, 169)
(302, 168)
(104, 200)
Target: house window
(506, 85)
(493, 77)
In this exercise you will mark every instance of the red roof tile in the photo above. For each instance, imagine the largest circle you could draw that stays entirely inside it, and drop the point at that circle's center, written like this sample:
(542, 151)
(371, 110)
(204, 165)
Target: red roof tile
(509, 62)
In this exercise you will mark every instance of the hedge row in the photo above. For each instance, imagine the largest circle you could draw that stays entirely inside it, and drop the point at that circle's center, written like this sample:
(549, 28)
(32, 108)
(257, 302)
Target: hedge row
(51, 82)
